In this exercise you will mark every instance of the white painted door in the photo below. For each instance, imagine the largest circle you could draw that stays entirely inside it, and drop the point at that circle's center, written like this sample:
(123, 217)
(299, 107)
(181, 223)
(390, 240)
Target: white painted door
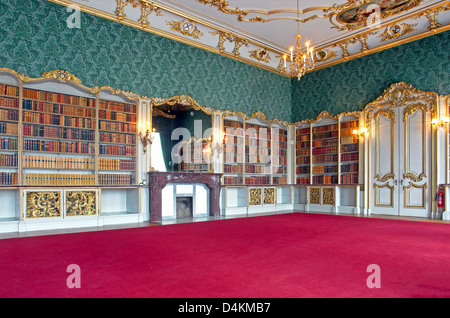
(400, 144)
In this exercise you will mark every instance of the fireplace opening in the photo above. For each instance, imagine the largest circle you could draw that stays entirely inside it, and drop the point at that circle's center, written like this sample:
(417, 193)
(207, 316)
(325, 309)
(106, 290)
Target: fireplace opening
(185, 207)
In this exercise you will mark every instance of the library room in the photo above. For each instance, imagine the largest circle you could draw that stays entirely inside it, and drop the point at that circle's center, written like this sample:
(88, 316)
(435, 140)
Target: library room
(224, 149)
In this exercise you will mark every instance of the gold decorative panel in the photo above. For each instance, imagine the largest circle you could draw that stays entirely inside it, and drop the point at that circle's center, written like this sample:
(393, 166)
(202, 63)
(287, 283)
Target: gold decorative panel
(45, 204)
(255, 196)
(314, 195)
(328, 196)
(269, 196)
(81, 203)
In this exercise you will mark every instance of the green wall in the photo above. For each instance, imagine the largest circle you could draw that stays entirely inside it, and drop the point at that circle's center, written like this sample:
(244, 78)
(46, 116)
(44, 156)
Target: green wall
(34, 38)
(351, 85)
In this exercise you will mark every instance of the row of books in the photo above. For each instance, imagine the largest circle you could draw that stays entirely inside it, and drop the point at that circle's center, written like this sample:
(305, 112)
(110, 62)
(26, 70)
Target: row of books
(350, 157)
(58, 98)
(234, 158)
(258, 159)
(43, 179)
(9, 178)
(128, 151)
(58, 120)
(303, 131)
(118, 138)
(117, 179)
(303, 170)
(324, 135)
(303, 145)
(233, 124)
(279, 138)
(257, 180)
(302, 152)
(300, 138)
(325, 150)
(232, 168)
(46, 107)
(279, 180)
(276, 152)
(194, 167)
(257, 169)
(325, 169)
(303, 180)
(113, 115)
(9, 102)
(9, 129)
(9, 160)
(119, 107)
(325, 143)
(7, 143)
(263, 151)
(349, 148)
(9, 114)
(325, 179)
(279, 160)
(351, 167)
(324, 159)
(349, 179)
(57, 132)
(118, 127)
(332, 127)
(303, 160)
(349, 140)
(8, 90)
(279, 170)
(233, 180)
(76, 147)
(116, 164)
(349, 124)
(67, 163)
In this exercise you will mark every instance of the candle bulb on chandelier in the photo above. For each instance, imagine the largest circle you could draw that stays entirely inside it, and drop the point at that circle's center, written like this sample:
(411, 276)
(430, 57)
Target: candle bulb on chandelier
(292, 53)
(284, 60)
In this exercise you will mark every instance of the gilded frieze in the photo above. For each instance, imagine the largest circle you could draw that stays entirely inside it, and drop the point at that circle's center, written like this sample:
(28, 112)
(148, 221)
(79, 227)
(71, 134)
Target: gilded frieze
(255, 196)
(269, 196)
(81, 203)
(43, 204)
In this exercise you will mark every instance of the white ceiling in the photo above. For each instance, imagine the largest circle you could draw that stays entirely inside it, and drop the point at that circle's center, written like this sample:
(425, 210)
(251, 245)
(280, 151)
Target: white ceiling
(341, 41)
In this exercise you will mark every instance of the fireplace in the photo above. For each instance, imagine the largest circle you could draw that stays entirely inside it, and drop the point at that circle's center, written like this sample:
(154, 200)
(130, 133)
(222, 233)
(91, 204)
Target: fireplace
(157, 181)
(185, 207)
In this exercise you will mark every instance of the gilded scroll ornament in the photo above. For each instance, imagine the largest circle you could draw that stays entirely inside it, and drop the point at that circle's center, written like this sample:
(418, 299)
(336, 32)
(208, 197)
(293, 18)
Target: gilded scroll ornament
(269, 196)
(314, 195)
(328, 196)
(147, 7)
(396, 30)
(185, 27)
(255, 195)
(80, 203)
(261, 55)
(45, 204)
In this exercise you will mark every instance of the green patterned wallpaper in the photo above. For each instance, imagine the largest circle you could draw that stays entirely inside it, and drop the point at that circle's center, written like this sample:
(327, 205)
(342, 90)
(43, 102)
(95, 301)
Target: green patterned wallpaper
(350, 86)
(34, 38)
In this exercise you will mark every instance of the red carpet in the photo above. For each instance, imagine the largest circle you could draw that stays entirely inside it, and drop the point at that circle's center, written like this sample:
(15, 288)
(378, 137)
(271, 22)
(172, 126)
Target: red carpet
(287, 255)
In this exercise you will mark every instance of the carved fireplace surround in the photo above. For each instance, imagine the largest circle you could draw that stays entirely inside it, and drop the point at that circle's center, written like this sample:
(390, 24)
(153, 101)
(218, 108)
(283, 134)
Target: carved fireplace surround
(158, 180)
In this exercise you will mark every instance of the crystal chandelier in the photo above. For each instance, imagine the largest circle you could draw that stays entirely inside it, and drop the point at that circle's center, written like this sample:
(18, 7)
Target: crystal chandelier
(301, 61)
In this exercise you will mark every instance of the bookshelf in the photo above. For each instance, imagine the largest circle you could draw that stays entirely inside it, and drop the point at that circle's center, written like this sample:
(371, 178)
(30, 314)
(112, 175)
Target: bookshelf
(117, 133)
(324, 154)
(349, 152)
(9, 134)
(303, 154)
(197, 158)
(327, 152)
(58, 137)
(234, 151)
(258, 154)
(279, 154)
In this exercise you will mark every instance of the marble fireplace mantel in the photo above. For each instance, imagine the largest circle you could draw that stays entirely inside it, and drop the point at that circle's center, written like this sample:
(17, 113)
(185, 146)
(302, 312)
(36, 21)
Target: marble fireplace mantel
(158, 180)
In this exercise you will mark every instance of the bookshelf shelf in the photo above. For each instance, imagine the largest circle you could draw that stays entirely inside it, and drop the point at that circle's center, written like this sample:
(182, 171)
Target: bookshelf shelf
(327, 152)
